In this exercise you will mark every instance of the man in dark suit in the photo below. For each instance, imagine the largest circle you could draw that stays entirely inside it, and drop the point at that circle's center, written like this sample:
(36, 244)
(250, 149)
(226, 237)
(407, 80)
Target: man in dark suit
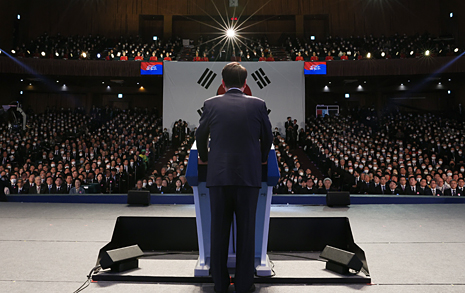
(433, 190)
(37, 188)
(453, 190)
(241, 138)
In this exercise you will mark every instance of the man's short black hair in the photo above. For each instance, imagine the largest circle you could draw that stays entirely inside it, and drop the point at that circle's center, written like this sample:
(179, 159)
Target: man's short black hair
(234, 75)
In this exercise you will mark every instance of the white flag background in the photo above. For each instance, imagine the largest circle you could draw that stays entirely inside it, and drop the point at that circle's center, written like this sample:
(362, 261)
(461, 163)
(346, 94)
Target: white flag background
(186, 85)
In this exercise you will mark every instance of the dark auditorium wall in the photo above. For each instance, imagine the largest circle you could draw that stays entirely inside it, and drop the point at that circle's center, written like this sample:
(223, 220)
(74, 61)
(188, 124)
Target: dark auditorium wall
(335, 17)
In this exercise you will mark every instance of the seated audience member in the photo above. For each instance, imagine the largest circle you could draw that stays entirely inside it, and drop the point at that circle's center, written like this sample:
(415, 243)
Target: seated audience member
(101, 184)
(20, 188)
(413, 187)
(77, 189)
(139, 57)
(327, 182)
(453, 190)
(422, 189)
(197, 57)
(123, 57)
(154, 56)
(393, 188)
(344, 56)
(329, 57)
(69, 184)
(262, 58)
(59, 188)
(299, 57)
(383, 186)
(402, 189)
(167, 57)
(37, 188)
(205, 58)
(270, 57)
(157, 187)
(314, 57)
(375, 186)
(185, 187)
(177, 186)
(288, 188)
(309, 188)
(139, 186)
(433, 190)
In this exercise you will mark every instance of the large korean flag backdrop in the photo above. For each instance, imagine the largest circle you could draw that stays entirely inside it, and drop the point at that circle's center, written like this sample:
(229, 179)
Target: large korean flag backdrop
(186, 85)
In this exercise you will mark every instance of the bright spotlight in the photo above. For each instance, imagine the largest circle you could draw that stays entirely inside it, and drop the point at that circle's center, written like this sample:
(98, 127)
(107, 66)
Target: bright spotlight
(21, 92)
(368, 55)
(230, 33)
(312, 38)
(13, 52)
(84, 55)
(383, 54)
(347, 96)
(411, 52)
(98, 55)
(451, 15)
(448, 92)
(18, 17)
(56, 54)
(43, 54)
(427, 53)
(120, 96)
(456, 50)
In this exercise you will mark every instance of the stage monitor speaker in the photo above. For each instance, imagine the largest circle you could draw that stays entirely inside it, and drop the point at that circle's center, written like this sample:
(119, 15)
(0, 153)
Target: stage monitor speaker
(121, 259)
(340, 261)
(337, 198)
(139, 197)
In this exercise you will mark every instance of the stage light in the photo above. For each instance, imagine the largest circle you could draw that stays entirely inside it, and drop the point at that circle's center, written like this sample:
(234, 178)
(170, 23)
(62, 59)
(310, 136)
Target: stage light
(120, 96)
(401, 84)
(108, 87)
(312, 38)
(439, 83)
(98, 55)
(456, 50)
(43, 54)
(118, 54)
(383, 54)
(13, 52)
(22, 79)
(368, 55)
(103, 82)
(21, 92)
(141, 88)
(84, 55)
(231, 33)
(0, 52)
(58, 81)
(18, 17)
(155, 38)
(56, 54)
(347, 96)
(326, 89)
(365, 81)
(451, 14)
(411, 52)
(427, 53)
(449, 92)
(450, 79)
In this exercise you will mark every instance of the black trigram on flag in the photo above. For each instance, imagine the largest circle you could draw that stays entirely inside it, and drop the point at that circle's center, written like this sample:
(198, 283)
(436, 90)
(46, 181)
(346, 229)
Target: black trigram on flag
(260, 78)
(207, 78)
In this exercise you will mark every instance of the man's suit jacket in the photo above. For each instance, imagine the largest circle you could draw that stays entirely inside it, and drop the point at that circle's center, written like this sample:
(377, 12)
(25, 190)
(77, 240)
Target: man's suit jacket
(33, 189)
(448, 192)
(429, 191)
(241, 138)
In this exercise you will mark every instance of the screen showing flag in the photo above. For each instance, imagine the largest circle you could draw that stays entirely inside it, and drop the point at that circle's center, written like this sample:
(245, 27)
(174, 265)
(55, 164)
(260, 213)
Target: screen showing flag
(315, 68)
(151, 68)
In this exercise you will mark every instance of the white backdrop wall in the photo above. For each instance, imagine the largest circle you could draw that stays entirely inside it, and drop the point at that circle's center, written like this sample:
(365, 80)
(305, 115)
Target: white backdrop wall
(186, 85)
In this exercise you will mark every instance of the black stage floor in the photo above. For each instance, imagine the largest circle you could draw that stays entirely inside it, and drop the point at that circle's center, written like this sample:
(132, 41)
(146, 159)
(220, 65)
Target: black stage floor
(409, 248)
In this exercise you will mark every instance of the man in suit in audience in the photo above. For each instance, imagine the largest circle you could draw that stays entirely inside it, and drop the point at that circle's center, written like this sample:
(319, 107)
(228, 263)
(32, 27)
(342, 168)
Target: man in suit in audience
(433, 190)
(413, 187)
(37, 187)
(453, 190)
(234, 173)
(393, 188)
(402, 188)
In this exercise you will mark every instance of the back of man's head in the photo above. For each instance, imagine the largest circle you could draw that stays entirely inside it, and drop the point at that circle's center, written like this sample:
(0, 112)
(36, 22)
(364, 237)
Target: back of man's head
(234, 75)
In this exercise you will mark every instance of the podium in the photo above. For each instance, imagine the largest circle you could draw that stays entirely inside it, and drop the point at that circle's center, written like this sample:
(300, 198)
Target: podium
(196, 174)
